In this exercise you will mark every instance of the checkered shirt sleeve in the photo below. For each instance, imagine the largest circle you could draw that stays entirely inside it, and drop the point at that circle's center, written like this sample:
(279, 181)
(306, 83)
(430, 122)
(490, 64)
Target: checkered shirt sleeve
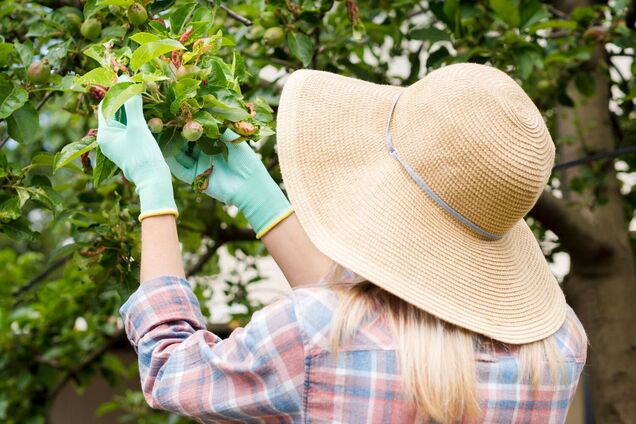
(255, 375)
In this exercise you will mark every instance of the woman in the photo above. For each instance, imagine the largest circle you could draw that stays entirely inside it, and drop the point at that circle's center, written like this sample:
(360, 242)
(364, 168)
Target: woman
(428, 298)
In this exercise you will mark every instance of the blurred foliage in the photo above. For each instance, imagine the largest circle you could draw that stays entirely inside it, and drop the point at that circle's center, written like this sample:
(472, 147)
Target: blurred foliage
(69, 237)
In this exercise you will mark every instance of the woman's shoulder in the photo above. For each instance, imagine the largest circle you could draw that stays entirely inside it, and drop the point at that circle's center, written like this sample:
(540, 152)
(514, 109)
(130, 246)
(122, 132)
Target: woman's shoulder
(571, 338)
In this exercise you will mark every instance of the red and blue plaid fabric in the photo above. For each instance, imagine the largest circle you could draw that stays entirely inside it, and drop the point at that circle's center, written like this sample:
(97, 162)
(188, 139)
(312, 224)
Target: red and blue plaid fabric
(279, 369)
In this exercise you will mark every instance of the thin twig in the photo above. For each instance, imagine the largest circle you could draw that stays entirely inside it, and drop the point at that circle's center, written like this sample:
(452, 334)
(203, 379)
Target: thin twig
(236, 16)
(72, 373)
(40, 277)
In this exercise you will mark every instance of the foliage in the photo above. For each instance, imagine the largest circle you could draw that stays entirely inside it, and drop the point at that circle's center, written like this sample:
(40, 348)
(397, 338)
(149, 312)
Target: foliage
(69, 239)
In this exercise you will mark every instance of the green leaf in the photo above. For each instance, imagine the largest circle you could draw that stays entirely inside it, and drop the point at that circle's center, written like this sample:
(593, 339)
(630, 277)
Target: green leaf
(553, 23)
(431, 34)
(10, 209)
(226, 105)
(25, 51)
(142, 38)
(104, 168)
(151, 50)
(209, 122)
(507, 11)
(101, 76)
(91, 7)
(5, 53)
(180, 16)
(148, 77)
(24, 124)
(57, 53)
(185, 88)
(119, 94)
(18, 229)
(301, 46)
(12, 97)
(122, 3)
(23, 195)
(72, 151)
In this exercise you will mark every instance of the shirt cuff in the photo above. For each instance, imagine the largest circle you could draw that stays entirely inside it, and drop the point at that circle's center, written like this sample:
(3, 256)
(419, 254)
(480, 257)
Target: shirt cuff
(158, 301)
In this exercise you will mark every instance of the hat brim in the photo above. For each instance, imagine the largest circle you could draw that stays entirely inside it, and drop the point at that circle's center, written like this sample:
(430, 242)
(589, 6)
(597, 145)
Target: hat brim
(361, 209)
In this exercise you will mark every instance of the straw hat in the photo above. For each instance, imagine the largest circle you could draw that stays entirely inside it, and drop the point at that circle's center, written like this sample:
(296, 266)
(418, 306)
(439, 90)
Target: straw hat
(431, 210)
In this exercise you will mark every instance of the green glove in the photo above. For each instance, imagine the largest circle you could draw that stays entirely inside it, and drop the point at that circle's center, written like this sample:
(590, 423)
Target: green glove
(241, 181)
(134, 150)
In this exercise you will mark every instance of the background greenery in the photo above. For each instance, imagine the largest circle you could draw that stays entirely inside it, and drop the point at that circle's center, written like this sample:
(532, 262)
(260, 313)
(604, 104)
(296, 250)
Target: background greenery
(69, 238)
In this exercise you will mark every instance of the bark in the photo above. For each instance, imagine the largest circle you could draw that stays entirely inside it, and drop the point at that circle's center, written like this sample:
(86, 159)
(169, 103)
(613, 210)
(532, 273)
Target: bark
(601, 285)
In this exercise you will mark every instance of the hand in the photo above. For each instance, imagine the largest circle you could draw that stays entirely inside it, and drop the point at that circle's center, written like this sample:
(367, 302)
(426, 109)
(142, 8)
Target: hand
(135, 151)
(241, 181)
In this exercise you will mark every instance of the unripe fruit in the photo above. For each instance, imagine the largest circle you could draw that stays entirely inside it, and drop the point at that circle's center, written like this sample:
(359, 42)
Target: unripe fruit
(155, 125)
(137, 14)
(39, 72)
(74, 19)
(192, 131)
(91, 28)
(114, 9)
(274, 37)
(269, 19)
(152, 86)
(187, 70)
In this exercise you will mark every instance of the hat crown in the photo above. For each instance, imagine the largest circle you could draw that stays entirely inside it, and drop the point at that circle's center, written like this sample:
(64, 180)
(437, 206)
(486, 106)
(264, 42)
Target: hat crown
(490, 153)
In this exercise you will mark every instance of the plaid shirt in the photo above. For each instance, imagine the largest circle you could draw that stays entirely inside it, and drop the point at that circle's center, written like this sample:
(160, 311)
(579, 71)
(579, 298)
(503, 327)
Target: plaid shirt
(278, 369)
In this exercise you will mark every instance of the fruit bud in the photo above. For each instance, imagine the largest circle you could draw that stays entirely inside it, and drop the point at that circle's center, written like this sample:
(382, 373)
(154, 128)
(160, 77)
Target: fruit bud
(274, 37)
(137, 14)
(91, 28)
(155, 125)
(39, 72)
(244, 128)
(192, 131)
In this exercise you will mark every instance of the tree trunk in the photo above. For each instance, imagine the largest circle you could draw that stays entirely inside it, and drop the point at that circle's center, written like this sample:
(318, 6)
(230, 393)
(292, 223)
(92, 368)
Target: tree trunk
(601, 285)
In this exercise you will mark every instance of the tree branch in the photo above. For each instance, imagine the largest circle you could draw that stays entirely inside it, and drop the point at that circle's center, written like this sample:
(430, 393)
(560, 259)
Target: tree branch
(569, 225)
(228, 235)
(93, 356)
(236, 16)
(39, 278)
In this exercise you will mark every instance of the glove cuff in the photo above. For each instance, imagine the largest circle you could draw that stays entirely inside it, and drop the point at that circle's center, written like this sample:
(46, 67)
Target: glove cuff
(153, 183)
(263, 203)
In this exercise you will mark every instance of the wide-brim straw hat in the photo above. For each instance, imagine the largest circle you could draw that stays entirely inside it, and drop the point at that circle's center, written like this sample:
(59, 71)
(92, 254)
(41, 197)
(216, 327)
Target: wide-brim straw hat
(433, 212)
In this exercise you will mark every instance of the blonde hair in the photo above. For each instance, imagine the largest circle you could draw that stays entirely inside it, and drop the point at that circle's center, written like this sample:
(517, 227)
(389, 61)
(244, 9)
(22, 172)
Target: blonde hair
(444, 389)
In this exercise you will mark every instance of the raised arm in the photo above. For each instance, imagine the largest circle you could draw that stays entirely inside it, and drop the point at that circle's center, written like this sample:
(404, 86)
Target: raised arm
(243, 181)
(296, 255)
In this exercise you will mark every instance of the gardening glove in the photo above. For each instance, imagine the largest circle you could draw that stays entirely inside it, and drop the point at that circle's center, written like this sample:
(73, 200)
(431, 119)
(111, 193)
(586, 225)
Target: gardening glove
(242, 181)
(134, 150)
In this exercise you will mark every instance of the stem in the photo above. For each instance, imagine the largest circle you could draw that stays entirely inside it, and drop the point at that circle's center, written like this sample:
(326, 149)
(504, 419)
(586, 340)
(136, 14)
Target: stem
(236, 16)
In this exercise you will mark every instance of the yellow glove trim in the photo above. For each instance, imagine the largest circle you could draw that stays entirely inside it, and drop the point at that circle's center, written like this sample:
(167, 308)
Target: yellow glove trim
(274, 223)
(159, 212)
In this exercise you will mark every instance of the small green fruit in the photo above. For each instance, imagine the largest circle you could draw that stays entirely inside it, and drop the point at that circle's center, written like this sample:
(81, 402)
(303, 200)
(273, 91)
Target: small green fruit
(114, 9)
(155, 125)
(91, 28)
(274, 37)
(137, 14)
(74, 20)
(269, 19)
(184, 71)
(192, 131)
(39, 72)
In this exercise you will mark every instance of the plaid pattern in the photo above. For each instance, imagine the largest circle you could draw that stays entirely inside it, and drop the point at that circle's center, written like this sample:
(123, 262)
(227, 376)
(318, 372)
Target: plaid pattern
(278, 369)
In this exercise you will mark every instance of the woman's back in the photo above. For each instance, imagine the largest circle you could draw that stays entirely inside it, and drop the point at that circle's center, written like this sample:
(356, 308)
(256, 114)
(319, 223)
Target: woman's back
(280, 367)
(363, 383)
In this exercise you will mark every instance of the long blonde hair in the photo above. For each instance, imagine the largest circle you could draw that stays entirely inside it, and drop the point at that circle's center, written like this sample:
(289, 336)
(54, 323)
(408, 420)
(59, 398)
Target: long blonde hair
(444, 389)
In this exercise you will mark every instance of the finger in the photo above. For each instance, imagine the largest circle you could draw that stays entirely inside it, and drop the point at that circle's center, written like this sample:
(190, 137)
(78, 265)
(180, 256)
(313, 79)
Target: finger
(182, 173)
(134, 111)
(185, 160)
(229, 135)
